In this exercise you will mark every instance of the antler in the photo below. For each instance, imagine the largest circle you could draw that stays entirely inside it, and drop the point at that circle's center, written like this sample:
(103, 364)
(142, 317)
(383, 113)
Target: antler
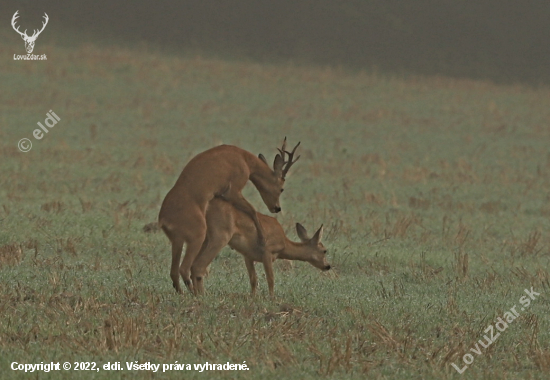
(15, 16)
(36, 33)
(287, 164)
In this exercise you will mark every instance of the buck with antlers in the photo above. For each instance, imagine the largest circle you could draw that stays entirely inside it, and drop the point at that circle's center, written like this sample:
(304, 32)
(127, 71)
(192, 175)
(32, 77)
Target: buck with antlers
(229, 226)
(221, 171)
(29, 40)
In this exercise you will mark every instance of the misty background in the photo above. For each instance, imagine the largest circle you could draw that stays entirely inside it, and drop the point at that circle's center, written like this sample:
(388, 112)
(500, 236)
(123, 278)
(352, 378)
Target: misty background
(506, 41)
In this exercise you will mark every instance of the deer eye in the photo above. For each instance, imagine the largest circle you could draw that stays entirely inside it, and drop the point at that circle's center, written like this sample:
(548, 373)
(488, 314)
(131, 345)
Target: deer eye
(282, 190)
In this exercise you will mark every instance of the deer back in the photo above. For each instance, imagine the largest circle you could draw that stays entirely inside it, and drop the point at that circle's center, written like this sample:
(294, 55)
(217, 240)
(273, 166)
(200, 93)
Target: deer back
(226, 222)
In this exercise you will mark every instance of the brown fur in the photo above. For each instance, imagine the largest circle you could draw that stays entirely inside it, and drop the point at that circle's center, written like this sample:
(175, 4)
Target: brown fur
(229, 226)
(221, 171)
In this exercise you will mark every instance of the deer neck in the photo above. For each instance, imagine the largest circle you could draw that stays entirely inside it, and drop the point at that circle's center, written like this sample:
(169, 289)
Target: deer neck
(294, 251)
(259, 171)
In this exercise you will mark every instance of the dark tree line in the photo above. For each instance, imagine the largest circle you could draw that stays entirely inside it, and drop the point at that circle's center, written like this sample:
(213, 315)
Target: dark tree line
(502, 40)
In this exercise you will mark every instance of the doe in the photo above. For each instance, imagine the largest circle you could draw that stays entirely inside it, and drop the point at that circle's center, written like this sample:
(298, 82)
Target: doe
(226, 225)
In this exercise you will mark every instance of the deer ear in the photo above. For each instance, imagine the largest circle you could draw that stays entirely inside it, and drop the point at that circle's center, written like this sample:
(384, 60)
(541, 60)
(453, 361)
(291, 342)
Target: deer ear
(302, 233)
(261, 157)
(316, 239)
(278, 164)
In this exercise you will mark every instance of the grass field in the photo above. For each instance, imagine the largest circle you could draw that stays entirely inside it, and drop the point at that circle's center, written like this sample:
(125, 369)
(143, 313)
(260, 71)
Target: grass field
(434, 193)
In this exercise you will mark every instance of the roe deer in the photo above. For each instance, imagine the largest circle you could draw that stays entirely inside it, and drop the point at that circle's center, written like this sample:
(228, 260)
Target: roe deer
(229, 226)
(219, 171)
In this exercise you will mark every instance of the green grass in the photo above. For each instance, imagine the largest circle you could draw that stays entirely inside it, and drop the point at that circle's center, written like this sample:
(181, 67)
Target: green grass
(434, 193)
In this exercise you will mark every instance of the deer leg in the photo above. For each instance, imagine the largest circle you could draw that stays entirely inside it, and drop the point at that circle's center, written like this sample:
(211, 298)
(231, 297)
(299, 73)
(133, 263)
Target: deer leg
(177, 246)
(240, 203)
(251, 275)
(213, 245)
(268, 267)
(198, 271)
(195, 240)
(193, 249)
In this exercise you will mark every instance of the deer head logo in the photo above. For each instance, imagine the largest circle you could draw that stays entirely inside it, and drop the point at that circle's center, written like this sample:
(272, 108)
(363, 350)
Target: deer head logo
(29, 40)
